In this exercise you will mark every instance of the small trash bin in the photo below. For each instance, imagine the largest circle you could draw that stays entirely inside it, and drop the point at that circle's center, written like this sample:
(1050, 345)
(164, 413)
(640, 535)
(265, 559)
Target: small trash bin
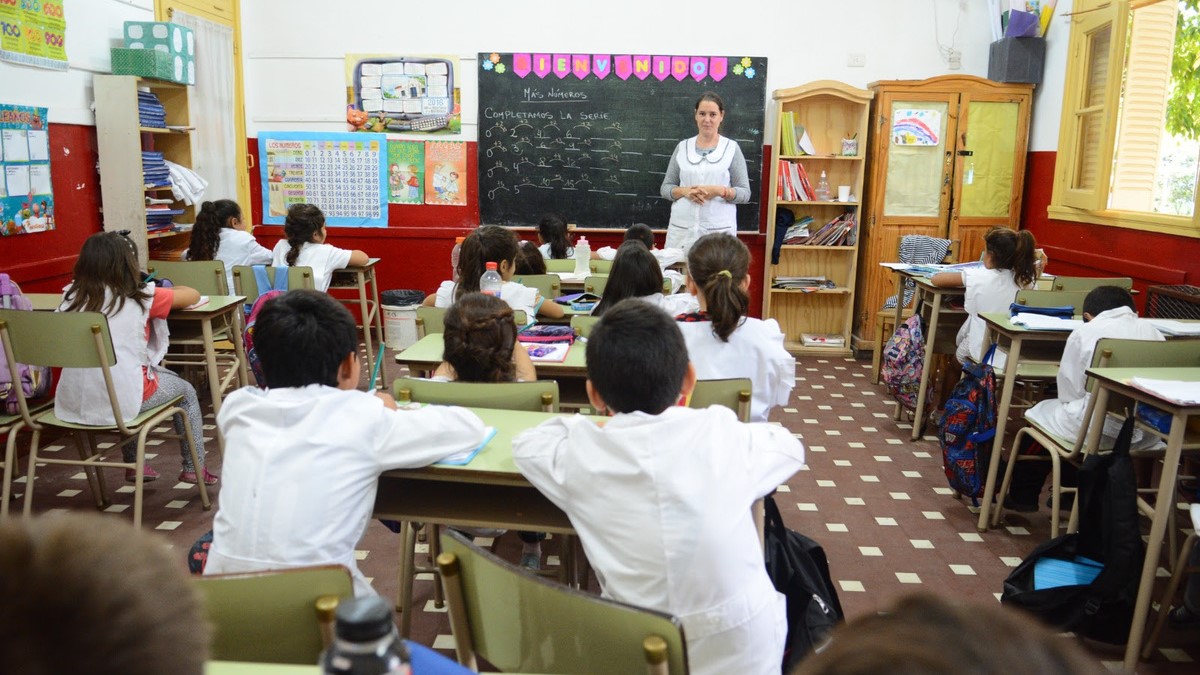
(400, 317)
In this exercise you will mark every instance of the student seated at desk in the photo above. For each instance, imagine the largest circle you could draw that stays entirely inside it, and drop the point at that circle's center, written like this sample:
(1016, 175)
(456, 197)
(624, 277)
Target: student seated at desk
(107, 280)
(1109, 313)
(492, 243)
(530, 260)
(218, 235)
(303, 456)
(721, 340)
(665, 257)
(636, 274)
(552, 237)
(305, 246)
(661, 494)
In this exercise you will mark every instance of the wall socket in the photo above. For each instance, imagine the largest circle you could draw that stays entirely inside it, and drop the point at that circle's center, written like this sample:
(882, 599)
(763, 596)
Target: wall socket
(856, 60)
(954, 59)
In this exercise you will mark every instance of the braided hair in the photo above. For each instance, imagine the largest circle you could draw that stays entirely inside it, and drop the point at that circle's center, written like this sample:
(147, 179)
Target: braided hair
(479, 339)
(303, 223)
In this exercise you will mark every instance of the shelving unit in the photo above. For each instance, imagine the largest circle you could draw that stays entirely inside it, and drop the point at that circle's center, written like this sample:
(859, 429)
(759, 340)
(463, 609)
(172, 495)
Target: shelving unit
(829, 111)
(121, 141)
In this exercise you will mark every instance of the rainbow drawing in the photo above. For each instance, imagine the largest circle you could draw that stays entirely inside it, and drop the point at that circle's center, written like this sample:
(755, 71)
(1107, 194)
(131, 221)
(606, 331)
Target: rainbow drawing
(916, 127)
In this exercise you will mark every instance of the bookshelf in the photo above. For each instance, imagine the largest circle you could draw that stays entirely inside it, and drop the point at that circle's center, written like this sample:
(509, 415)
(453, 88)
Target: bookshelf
(121, 140)
(829, 112)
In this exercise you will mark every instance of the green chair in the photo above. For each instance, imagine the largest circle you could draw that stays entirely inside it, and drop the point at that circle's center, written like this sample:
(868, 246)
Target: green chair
(539, 396)
(600, 266)
(560, 265)
(1086, 284)
(549, 285)
(12, 426)
(1032, 298)
(82, 340)
(583, 323)
(206, 276)
(245, 284)
(517, 621)
(281, 616)
(187, 337)
(595, 283)
(433, 320)
(734, 393)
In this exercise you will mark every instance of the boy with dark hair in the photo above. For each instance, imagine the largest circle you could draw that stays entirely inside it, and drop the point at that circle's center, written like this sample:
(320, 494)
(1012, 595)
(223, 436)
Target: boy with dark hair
(303, 456)
(1108, 312)
(661, 495)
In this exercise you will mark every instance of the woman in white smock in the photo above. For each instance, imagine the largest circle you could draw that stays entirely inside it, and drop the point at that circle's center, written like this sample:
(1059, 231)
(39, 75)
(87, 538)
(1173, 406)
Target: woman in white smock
(705, 178)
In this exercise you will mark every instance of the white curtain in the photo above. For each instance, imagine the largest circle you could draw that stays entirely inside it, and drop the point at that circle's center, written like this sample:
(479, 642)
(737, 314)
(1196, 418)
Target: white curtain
(215, 154)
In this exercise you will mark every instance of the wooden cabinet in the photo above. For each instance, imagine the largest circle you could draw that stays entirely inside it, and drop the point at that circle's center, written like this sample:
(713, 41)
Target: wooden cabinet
(828, 112)
(121, 140)
(947, 160)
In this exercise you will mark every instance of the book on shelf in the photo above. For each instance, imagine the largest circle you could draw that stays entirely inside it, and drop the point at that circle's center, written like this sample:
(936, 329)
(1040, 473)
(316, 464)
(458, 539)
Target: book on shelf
(787, 130)
(797, 233)
(801, 283)
(823, 339)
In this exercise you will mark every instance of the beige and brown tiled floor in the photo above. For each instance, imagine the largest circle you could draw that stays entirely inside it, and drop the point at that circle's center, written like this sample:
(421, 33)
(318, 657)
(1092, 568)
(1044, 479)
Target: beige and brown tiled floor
(875, 500)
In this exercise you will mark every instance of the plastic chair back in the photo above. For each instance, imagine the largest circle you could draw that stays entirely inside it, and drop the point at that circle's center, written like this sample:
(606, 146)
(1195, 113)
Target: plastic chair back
(595, 283)
(1088, 283)
(206, 276)
(520, 622)
(245, 284)
(600, 266)
(734, 393)
(583, 323)
(80, 339)
(563, 265)
(539, 396)
(433, 320)
(549, 285)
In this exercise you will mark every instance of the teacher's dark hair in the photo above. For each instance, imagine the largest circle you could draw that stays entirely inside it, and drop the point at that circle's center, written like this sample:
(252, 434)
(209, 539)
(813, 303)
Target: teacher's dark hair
(710, 96)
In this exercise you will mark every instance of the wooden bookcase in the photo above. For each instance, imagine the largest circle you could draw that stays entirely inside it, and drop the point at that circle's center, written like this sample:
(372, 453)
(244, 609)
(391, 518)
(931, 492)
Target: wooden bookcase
(121, 140)
(829, 111)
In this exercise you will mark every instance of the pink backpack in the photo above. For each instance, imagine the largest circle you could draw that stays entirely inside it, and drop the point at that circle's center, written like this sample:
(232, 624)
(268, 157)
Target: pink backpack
(278, 288)
(35, 380)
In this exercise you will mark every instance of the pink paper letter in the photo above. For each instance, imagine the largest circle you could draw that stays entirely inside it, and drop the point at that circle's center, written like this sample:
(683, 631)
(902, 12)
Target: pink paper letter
(641, 66)
(699, 68)
(679, 67)
(718, 68)
(624, 66)
(522, 63)
(662, 67)
(581, 65)
(602, 65)
(541, 65)
(562, 65)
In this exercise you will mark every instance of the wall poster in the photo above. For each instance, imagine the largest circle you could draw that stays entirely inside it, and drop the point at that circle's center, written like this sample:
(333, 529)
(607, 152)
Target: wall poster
(343, 174)
(26, 197)
(34, 33)
(916, 126)
(406, 172)
(402, 94)
(446, 173)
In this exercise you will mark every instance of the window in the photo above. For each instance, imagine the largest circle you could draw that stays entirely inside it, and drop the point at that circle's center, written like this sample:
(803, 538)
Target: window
(1130, 134)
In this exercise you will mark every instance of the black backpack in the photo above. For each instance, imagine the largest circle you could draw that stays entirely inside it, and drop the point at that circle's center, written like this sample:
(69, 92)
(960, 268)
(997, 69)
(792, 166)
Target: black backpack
(799, 570)
(1108, 533)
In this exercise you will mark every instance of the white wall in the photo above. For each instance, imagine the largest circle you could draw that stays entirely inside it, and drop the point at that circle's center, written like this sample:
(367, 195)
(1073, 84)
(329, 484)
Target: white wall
(295, 49)
(93, 26)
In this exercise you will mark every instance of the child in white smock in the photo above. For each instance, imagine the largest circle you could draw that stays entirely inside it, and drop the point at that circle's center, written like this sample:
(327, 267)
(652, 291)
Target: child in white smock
(218, 235)
(304, 246)
(636, 274)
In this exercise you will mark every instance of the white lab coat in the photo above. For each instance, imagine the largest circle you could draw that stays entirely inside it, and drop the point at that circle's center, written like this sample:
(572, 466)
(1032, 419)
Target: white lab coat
(322, 258)
(665, 256)
(986, 291)
(689, 220)
(755, 350)
(662, 507)
(1063, 416)
(301, 469)
(517, 296)
(238, 247)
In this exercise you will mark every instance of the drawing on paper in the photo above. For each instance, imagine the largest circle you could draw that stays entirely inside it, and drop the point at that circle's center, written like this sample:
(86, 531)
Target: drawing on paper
(916, 127)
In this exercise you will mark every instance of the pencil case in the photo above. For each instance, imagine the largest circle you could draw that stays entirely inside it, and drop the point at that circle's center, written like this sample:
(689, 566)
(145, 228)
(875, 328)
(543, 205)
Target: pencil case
(547, 333)
(1062, 312)
(572, 299)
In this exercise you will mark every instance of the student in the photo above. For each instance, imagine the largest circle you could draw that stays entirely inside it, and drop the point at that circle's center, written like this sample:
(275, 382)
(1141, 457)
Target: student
(552, 234)
(530, 260)
(1108, 312)
(642, 232)
(1009, 265)
(661, 494)
(636, 274)
(303, 456)
(218, 235)
(492, 243)
(304, 246)
(722, 341)
(85, 593)
(107, 279)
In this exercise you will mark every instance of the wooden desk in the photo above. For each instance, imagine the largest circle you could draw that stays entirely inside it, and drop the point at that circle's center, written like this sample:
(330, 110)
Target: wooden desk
(425, 355)
(941, 332)
(362, 277)
(1116, 381)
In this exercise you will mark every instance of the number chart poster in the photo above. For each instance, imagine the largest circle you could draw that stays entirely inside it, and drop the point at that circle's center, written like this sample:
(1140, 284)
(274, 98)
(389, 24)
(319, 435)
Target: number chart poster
(406, 172)
(26, 198)
(402, 94)
(345, 175)
(34, 33)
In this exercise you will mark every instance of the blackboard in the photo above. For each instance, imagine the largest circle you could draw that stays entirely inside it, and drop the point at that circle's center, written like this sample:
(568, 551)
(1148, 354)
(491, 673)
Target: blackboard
(590, 136)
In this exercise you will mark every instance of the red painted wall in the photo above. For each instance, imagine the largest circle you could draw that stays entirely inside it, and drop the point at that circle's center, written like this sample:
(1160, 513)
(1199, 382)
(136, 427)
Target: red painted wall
(43, 262)
(1081, 249)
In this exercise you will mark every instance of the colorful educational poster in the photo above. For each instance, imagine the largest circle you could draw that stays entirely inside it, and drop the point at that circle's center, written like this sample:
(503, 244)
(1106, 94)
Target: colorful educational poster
(402, 94)
(343, 174)
(446, 173)
(916, 127)
(34, 33)
(26, 197)
(406, 172)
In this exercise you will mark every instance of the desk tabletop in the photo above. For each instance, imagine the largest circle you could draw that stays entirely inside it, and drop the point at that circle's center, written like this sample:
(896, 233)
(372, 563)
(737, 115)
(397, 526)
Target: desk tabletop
(48, 302)
(1002, 321)
(424, 661)
(428, 352)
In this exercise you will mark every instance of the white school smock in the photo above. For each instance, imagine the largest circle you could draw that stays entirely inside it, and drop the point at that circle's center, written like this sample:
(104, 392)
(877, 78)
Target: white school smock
(516, 295)
(1063, 416)
(322, 258)
(755, 350)
(82, 397)
(689, 220)
(544, 249)
(679, 303)
(665, 256)
(986, 291)
(662, 507)
(301, 468)
(239, 247)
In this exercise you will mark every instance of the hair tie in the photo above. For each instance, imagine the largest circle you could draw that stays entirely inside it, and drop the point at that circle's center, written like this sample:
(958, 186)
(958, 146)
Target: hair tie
(725, 273)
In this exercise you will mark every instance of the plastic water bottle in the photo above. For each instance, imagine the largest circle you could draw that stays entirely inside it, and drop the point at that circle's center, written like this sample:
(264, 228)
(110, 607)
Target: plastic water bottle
(822, 190)
(491, 281)
(583, 257)
(454, 253)
(366, 641)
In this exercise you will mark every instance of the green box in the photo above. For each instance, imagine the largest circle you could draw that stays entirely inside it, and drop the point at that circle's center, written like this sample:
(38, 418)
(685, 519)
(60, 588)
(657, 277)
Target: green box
(153, 63)
(171, 38)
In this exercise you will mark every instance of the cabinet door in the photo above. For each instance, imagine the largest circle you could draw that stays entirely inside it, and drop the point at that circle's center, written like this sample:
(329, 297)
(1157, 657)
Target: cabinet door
(913, 161)
(990, 168)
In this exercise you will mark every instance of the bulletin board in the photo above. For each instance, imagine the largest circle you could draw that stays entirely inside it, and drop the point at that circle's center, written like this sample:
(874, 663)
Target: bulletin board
(26, 195)
(344, 174)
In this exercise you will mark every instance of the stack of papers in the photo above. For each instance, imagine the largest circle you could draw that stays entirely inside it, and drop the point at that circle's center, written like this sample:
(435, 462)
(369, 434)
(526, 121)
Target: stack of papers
(1178, 391)
(1172, 327)
(1043, 322)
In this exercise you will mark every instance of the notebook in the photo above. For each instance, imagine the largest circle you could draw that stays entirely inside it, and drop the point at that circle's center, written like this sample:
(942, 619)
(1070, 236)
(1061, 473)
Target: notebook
(1053, 572)
(462, 458)
(554, 352)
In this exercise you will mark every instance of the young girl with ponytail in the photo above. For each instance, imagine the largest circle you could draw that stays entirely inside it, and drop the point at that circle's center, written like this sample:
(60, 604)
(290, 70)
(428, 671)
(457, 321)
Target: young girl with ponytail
(723, 342)
(304, 246)
(218, 235)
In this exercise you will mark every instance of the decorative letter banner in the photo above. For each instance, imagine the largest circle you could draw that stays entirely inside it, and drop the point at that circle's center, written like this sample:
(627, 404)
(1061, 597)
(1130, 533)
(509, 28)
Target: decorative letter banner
(623, 66)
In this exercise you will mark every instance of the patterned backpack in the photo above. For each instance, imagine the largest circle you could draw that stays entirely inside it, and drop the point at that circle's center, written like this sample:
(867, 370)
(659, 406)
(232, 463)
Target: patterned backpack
(35, 380)
(968, 427)
(903, 359)
(278, 288)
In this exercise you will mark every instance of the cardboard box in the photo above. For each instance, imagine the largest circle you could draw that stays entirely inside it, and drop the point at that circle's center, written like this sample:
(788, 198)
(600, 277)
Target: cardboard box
(1017, 59)
(171, 38)
(155, 64)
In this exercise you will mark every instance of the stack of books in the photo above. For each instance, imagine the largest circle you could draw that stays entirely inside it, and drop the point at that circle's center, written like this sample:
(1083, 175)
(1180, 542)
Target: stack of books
(793, 184)
(841, 231)
(154, 170)
(151, 112)
(797, 233)
(801, 283)
(158, 218)
(794, 139)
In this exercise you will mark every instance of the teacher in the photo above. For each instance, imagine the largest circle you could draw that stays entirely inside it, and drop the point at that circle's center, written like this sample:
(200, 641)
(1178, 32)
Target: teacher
(705, 178)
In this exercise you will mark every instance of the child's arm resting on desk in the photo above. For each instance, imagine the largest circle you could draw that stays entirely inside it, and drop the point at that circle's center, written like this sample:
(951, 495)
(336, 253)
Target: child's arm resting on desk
(184, 297)
(536, 452)
(415, 438)
(947, 279)
(773, 456)
(358, 258)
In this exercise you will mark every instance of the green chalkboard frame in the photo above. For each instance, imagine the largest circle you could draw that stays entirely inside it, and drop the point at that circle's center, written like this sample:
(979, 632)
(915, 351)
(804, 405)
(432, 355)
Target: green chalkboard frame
(590, 136)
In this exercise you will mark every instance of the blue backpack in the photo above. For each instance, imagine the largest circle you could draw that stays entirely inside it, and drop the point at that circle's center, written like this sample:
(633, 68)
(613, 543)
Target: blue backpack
(278, 288)
(968, 427)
